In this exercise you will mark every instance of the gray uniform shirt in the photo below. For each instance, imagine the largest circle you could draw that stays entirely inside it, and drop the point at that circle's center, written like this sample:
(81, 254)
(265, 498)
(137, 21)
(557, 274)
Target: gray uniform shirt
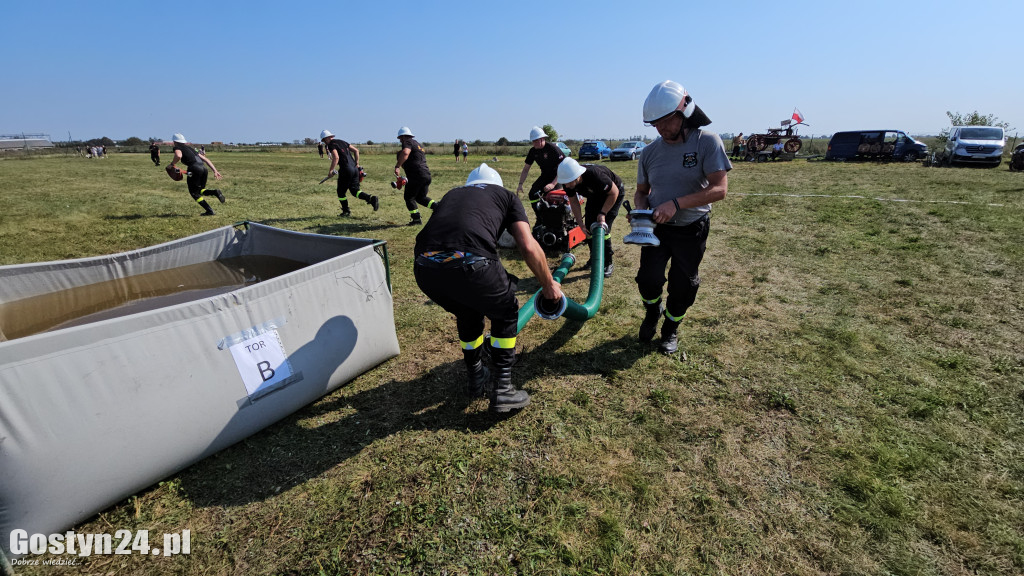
(680, 169)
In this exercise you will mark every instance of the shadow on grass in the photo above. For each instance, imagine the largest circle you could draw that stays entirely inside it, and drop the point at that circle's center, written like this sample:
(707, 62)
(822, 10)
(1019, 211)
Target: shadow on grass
(608, 357)
(297, 449)
(130, 217)
(275, 221)
(342, 228)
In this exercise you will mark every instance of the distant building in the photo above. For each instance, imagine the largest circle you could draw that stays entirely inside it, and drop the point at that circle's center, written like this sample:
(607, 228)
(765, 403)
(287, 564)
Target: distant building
(16, 141)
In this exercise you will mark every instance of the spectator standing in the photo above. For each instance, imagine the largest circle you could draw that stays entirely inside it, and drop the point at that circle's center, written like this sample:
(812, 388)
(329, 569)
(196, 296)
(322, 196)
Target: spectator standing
(737, 144)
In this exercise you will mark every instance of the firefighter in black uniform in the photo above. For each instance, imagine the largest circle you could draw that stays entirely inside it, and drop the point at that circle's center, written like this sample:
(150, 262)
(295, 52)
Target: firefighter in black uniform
(547, 156)
(154, 153)
(413, 159)
(457, 266)
(345, 164)
(603, 190)
(197, 173)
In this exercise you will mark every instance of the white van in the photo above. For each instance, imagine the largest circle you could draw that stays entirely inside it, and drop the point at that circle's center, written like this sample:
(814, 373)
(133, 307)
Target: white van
(981, 145)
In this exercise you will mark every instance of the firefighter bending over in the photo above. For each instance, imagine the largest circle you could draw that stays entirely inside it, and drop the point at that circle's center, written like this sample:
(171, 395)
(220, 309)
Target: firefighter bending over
(457, 266)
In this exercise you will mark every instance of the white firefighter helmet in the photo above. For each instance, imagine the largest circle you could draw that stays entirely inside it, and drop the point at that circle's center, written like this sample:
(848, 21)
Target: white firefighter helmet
(179, 139)
(569, 170)
(484, 174)
(404, 131)
(668, 97)
(537, 132)
(325, 134)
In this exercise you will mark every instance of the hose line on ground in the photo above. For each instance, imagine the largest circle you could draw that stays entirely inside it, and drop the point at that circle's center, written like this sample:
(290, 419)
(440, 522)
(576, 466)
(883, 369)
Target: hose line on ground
(566, 306)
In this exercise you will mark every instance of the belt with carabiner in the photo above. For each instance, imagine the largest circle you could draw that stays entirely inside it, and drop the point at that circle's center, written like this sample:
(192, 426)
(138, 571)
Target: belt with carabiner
(451, 259)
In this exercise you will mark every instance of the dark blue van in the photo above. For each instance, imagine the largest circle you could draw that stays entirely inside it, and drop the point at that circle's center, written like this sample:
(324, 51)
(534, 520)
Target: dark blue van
(875, 145)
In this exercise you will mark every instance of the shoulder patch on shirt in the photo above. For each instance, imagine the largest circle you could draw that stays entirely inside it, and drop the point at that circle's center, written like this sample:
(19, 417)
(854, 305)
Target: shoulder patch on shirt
(690, 159)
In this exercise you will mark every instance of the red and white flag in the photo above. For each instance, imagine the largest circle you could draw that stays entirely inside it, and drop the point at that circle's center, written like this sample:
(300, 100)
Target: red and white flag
(797, 116)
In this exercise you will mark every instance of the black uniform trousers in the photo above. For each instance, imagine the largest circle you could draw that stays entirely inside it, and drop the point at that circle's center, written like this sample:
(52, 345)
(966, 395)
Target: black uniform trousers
(348, 182)
(197, 176)
(471, 292)
(684, 246)
(416, 192)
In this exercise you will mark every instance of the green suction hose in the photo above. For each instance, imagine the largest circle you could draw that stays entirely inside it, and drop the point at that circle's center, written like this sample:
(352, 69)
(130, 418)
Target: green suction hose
(572, 310)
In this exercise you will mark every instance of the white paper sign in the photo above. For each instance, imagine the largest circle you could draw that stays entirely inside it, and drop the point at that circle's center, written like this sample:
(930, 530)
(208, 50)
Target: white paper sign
(262, 362)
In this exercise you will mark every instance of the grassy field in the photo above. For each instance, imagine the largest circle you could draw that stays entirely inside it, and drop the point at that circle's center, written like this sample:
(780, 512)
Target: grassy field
(848, 399)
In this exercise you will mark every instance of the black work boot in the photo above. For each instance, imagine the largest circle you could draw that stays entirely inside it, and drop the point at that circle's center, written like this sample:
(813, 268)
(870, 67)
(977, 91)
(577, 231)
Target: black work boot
(374, 202)
(650, 324)
(669, 342)
(416, 220)
(477, 373)
(504, 396)
(219, 195)
(206, 206)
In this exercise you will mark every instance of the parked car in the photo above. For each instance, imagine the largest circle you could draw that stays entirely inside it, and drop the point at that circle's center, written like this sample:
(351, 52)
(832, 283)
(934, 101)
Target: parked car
(982, 145)
(565, 149)
(875, 145)
(594, 150)
(627, 151)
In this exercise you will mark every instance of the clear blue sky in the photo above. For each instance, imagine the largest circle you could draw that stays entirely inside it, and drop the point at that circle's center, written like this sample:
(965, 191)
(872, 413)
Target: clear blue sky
(251, 71)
